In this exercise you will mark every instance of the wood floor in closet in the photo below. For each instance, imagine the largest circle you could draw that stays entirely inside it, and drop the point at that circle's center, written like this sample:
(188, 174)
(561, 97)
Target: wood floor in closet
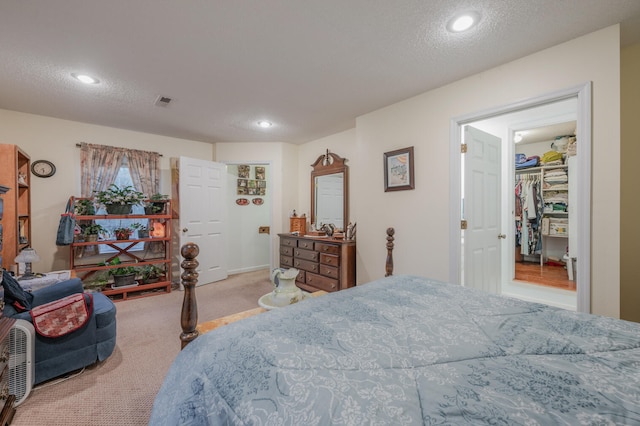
(551, 276)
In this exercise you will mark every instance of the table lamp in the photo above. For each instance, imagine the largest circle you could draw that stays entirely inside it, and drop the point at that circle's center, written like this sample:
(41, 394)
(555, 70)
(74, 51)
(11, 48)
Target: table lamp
(27, 256)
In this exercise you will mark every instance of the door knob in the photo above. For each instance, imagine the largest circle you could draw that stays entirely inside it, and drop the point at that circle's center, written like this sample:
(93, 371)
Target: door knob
(185, 229)
(501, 236)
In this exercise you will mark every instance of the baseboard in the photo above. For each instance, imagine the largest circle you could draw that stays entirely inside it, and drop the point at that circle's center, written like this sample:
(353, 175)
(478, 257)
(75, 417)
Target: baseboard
(249, 269)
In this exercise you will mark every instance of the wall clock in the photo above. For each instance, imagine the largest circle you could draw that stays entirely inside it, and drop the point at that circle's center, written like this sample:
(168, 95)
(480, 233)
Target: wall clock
(43, 168)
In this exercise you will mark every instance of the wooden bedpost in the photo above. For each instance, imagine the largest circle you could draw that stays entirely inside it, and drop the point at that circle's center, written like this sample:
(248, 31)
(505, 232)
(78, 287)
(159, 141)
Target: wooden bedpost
(189, 315)
(389, 264)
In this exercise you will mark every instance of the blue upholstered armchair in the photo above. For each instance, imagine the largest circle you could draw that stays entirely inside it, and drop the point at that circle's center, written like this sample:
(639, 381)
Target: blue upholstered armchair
(94, 341)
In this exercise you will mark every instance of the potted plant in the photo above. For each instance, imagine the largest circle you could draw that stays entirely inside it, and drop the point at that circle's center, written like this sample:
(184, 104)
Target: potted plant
(119, 200)
(123, 232)
(92, 231)
(84, 207)
(151, 273)
(156, 204)
(123, 275)
(143, 231)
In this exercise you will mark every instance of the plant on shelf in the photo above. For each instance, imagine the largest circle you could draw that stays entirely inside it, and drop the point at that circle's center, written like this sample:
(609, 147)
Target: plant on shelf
(143, 231)
(156, 204)
(124, 274)
(119, 200)
(85, 207)
(92, 231)
(124, 232)
(151, 273)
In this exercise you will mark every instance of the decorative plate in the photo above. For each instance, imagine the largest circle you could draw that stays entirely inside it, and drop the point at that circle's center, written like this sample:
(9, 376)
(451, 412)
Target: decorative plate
(242, 201)
(258, 201)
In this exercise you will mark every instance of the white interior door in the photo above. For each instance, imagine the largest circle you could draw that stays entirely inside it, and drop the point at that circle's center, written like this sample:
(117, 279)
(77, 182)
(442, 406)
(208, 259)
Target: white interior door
(482, 200)
(202, 188)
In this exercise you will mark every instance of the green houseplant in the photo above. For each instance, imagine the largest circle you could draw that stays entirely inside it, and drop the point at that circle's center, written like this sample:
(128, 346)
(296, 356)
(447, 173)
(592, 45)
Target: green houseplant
(124, 232)
(119, 200)
(92, 231)
(156, 204)
(124, 274)
(143, 231)
(151, 273)
(84, 207)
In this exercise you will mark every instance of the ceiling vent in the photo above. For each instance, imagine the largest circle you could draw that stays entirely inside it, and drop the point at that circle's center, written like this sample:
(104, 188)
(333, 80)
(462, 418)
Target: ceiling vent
(163, 101)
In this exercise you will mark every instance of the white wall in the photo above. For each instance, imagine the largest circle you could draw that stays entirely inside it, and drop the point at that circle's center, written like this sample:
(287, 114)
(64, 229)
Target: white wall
(421, 216)
(247, 249)
(55, 140)
(282, 185)
(342, 144)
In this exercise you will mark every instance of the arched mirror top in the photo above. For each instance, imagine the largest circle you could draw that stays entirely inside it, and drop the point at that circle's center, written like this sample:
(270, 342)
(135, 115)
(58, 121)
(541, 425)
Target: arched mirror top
(329, 191)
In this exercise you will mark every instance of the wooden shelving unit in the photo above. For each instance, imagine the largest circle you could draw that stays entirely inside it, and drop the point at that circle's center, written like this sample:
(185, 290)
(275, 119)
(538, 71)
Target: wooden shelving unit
(87, 263)
(16, 219)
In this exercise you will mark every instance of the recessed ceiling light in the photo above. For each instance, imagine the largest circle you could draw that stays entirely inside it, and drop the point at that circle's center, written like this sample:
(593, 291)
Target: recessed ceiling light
(86, 79)
(265, 124)
(463, 22)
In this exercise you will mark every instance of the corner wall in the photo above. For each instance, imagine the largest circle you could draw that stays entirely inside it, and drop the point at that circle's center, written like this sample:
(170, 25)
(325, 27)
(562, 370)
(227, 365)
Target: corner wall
(282, 185)
(46, 138)
(421, 217)
(629, 181)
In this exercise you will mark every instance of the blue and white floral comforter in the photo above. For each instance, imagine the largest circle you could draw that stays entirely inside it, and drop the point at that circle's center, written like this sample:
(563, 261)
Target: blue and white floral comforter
(406, 350)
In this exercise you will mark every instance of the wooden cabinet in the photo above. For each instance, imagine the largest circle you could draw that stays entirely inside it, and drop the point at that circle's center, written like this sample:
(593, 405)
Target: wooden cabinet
(16, 218)
(324, 263)
(88, 259)
(298, 224)
(6, 400)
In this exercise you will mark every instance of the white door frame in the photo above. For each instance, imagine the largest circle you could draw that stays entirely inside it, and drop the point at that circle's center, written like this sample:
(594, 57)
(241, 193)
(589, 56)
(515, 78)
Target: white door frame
(583, 269)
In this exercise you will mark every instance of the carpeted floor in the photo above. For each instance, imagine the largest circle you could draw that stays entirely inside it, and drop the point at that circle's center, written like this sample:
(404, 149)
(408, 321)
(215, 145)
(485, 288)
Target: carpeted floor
(120, 391)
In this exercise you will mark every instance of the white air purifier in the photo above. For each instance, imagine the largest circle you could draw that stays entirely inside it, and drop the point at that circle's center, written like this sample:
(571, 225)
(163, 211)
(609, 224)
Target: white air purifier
(21, 362)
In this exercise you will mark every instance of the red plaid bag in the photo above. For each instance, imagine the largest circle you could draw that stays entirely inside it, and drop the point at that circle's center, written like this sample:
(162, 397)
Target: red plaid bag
(62, 316)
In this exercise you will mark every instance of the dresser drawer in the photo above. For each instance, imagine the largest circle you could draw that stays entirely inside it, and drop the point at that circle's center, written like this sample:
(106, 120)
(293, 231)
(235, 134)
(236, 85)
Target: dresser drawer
(289, 242)
(286, 261)
(322, 283)
(306, 265)
(327, 248)
(305, 244)
(330, 259)
(306, 254)
(286, 250)
(330, 271)
(301, 277)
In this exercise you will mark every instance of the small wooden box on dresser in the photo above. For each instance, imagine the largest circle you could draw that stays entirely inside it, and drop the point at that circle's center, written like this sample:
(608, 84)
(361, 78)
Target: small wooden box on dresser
(6, 400)
(324, 263)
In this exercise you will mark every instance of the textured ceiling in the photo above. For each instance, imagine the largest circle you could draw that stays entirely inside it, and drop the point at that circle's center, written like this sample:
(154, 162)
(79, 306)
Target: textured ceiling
(311, 67)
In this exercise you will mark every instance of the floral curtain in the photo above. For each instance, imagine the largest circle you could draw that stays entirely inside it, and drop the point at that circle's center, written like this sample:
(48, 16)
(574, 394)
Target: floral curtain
(145, 170)
(100, 164)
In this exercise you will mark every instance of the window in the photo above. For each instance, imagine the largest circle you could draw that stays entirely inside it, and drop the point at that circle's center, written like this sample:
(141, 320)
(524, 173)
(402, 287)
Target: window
(123, 179)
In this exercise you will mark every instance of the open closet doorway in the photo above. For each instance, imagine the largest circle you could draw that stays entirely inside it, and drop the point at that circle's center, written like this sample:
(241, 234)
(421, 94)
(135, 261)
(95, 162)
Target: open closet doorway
(545, 206)
(568, 106)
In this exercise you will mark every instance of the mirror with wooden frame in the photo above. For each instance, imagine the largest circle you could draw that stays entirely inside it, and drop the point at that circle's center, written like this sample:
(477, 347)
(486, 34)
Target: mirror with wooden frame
(329, 191)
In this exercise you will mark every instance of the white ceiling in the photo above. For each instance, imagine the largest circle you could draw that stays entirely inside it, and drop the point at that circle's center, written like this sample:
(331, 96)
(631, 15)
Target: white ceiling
(311, 67)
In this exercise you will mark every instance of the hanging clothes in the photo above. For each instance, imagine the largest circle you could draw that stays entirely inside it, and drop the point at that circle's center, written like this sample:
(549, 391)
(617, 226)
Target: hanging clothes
(529, 205)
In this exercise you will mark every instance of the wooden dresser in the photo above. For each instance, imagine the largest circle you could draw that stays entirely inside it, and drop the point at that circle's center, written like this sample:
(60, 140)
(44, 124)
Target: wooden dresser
(324, 263)
(6, 400)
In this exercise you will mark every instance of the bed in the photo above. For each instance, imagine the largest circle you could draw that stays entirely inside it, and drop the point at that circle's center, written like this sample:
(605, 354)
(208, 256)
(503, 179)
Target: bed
(407, 350)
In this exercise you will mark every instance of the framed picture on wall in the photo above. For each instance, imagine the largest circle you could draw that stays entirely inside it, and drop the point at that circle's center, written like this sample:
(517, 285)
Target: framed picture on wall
(260, 172)
(244, 171)
(398, 170)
